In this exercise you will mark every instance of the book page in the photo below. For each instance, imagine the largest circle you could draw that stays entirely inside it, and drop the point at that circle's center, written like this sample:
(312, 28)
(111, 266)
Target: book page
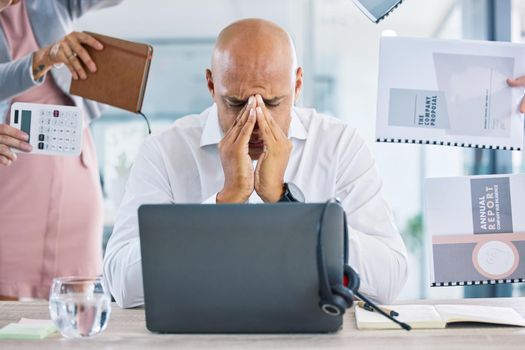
(478, 99)
(417, 316)
(479, 313)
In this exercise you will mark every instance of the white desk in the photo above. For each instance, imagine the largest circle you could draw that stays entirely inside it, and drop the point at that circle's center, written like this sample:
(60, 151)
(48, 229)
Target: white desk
(126, 330)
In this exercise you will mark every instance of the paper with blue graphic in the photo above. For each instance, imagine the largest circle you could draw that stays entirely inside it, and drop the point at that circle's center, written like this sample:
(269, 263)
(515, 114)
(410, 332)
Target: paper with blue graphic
(450, 92)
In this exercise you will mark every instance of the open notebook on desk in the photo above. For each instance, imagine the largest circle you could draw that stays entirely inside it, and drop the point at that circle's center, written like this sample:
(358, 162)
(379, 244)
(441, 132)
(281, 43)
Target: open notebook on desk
(439, 316)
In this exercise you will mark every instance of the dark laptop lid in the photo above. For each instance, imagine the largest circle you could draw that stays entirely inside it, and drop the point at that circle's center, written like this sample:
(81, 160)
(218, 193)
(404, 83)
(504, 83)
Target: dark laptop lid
(247, 268)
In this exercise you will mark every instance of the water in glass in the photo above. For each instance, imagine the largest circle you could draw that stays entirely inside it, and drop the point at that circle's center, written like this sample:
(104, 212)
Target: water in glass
(79, 307)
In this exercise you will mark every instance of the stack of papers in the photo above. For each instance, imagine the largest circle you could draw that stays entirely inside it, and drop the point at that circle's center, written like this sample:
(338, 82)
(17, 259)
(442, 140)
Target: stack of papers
(28, 329)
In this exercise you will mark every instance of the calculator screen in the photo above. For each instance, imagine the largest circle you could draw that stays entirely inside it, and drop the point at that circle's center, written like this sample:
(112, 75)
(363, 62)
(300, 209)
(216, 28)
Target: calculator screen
(25, 125)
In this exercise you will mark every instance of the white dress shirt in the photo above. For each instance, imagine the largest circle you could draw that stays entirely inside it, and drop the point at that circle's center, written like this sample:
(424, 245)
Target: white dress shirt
(328, 159)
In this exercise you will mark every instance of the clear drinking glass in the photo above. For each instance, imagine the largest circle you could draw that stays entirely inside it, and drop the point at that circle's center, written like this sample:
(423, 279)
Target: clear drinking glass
(79, 306)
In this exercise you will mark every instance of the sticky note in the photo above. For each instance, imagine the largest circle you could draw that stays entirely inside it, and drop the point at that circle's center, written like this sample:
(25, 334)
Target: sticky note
(28, 329)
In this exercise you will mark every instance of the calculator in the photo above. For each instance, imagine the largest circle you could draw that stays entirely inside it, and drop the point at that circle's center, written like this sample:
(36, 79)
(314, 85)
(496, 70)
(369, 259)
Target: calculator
(52, 129)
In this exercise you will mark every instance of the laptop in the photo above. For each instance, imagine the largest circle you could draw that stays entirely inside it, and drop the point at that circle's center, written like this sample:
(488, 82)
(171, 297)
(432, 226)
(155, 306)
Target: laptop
(237, 268)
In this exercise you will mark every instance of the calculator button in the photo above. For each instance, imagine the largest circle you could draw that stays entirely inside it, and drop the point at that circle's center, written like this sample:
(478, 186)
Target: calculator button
(66, 148)
(73, 148)
(53, 147)
(60, 148)
(41, 137)
(56, 113)
(40, 145)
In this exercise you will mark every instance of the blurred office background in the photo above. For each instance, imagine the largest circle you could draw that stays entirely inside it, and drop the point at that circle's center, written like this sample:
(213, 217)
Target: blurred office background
(338, 48)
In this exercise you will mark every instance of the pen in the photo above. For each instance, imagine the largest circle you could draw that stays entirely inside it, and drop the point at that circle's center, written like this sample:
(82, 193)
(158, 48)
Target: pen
(367, 307)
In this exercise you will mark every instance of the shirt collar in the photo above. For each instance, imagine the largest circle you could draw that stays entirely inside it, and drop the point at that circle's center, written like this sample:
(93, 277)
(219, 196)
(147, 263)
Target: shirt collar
(212, 133)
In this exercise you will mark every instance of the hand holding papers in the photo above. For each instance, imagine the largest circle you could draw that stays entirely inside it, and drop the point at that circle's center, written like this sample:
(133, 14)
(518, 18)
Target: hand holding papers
(519, 82)
(449, 92)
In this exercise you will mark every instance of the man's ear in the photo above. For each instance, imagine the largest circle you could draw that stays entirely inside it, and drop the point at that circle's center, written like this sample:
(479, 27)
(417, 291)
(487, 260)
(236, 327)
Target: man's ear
(209, 81)
(298, 82)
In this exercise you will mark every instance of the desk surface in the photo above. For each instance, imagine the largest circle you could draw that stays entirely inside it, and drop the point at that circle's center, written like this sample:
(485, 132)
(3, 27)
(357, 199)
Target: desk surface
(126, 330)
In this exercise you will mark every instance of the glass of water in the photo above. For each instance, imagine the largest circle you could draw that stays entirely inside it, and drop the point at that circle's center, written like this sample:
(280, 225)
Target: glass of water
(79, 306)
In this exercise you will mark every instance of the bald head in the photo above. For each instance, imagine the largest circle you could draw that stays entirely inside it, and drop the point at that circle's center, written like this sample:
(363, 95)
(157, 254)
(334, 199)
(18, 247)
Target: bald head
(249, 41)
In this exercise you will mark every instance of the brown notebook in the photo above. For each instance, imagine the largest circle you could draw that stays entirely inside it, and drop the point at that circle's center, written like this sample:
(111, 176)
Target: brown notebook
(121, 76)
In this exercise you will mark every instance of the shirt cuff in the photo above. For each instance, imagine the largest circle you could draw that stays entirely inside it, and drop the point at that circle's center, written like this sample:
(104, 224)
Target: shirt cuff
(355, 260)
(212, 199)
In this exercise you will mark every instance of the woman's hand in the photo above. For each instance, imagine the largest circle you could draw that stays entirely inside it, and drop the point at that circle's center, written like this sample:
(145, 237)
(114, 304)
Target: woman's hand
(12, 137)
(69, 51)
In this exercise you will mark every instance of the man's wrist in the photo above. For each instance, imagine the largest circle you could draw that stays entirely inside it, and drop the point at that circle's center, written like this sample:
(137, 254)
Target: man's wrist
(275, 195)
(226, 196)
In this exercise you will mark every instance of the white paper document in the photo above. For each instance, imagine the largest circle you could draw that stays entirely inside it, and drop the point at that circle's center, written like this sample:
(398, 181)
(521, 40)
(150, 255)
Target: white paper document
(450, 92)
(476, 229)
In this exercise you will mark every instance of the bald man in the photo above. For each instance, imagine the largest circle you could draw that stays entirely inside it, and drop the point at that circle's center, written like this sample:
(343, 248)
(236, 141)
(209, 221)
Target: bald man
(254, 146)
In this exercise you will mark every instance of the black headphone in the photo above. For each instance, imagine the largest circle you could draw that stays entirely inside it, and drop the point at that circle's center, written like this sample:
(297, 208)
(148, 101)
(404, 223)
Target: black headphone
(336, 298)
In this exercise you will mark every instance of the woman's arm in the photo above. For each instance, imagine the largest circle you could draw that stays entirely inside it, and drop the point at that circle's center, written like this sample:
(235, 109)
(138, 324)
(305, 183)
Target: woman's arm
(22, 74)
(16, 77)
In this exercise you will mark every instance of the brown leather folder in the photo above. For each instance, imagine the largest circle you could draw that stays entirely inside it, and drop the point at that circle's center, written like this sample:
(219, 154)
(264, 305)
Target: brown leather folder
(121, 76)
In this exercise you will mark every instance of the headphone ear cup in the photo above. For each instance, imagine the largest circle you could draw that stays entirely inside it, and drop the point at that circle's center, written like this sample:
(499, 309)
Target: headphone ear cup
(345, 293)
(336, 307)
(353, 278)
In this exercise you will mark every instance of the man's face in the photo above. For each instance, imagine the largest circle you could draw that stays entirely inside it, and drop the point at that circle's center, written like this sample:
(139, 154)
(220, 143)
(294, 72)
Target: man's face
(231, 85)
